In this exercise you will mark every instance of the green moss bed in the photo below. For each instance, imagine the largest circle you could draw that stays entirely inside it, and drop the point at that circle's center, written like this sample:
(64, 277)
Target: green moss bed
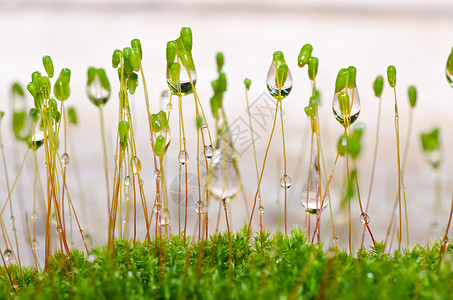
(285, 267)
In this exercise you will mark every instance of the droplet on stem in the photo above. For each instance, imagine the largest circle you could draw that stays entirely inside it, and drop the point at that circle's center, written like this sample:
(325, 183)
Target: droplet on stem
(64, 159)
(165, 218)
(286, 181)
(364, 219)
(208, 151)
(183, 157)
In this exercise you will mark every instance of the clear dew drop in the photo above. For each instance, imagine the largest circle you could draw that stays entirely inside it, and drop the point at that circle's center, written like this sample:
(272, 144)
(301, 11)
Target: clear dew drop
(136, 165)
(124, 221)
(364, 219)
(272, 87)
(12, 218)
(335, 240)
(35, 245)
(183, 85)
(261, 210)
(141, 182)
(91, 258)
(169, 106)
(346, 114)
(183, 157)
(127, 181)
(208, 151)
(9, 256)
(97, 93)
(200, 208)
(165, 218)
(65, 159)
(156, 174)
(156, 208)
(311, 195)
(449, 77)
(59, 231)
(286, 181)
(34, 217)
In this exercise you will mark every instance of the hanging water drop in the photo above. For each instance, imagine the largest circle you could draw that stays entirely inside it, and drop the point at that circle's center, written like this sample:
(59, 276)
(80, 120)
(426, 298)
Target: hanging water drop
(178, 78)
(9, 256)
(91, 258)
(98, 88)
(449, 77)
(208, 151)
(311, 195)
(124, 221)
(261, 210)
(165, 218)
(286, 181)
(346, 106)
(183, 157)
(35, 245)
(156, 208)
(200, 208)
(364, 219)
(12, 218)
(64, 159)
(136, 165)
(284, 88)
(169, 106)
(59, 231)
(127, 181)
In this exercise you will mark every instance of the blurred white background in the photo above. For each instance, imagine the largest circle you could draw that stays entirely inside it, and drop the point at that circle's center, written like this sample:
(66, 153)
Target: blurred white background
(412, 35)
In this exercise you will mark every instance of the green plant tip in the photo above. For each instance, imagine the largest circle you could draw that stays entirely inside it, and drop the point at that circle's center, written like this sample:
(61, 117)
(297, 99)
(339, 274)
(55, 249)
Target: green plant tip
(282, 75)
(134, 60)
(412, 91)
(116, 58)
(199, 121)
(430, 140)
(378, 86)
(450, 63)
(61, 89)
(342, 145)
(391, 75)
(123, 131)
(2, 114)
(31, 88)
(219, 60)
(352, 72)
(278, 58)
(132, 82)
(247, 83)
(72, 115)
(65, 74)
(342, 80)
(313, 67)
(159, 146)
(17, 89)
(171, 52)
(48, 65)
(186, 38)
(304, 55)
(137, 46)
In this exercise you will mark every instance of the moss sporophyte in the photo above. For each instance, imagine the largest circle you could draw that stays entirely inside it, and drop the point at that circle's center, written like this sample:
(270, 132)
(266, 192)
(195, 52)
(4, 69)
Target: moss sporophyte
(150, 251)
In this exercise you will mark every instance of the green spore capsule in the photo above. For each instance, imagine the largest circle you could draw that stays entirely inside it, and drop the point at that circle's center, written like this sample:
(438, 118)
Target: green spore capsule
(32, 89)
(171, 52)
(412, 91)
(132, 82)
(186, 38)
(34, 114)
(216, 104)
(247, 83)
(163, 119)
(65, 74)
(56, 115)
(378, 86)
(123, 131)
(221, 83)
(342, 80)
(2, 114)
(48, 65)
(137, 46)
(430, 140)
(134, 60)
(36, 77)
(343, 101)
(219, 60)
(282, 75)
(98, 86)
(175, 70)
(127, 64)
(156, 123)
(20, 125)
(358, 132)
(46, 86)
(53, 104)
(450, 62)
(312, 67)
(391, 75)
(304, 55)
(278, 57)
(342, 145)
(61, 89)
(159, 146)
(17, 89)
(116, 58)
(72, 116)
(352, 72)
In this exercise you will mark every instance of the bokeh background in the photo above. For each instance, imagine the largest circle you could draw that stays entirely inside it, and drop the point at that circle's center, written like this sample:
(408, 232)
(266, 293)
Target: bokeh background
(415, 36)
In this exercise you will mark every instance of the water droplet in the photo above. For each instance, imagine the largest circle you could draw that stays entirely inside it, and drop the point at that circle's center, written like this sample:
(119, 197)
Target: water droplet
(272, 86)
(165, 218)
(136, 165)
(127, 181)
(12, 219)
(35, 245)
(156, 174)
(223, 174)
(200, 208)
(364, 219)
(64, 159)
(370, 275)
(91, 258)
(156, 208)
(15, 287)
(208, 151)
(97, 92)
(182, 84)
(183, 157)
(169, 106)
(129, 274)
(449, 77)
(261, 227)
(141, 182)
(342, 110)
(124, 220)
(335, 240)
(433, 157)
(311, 195)
(59, 231)
(286, 181)
(33, 217)
(261, 210)
(9, 256)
